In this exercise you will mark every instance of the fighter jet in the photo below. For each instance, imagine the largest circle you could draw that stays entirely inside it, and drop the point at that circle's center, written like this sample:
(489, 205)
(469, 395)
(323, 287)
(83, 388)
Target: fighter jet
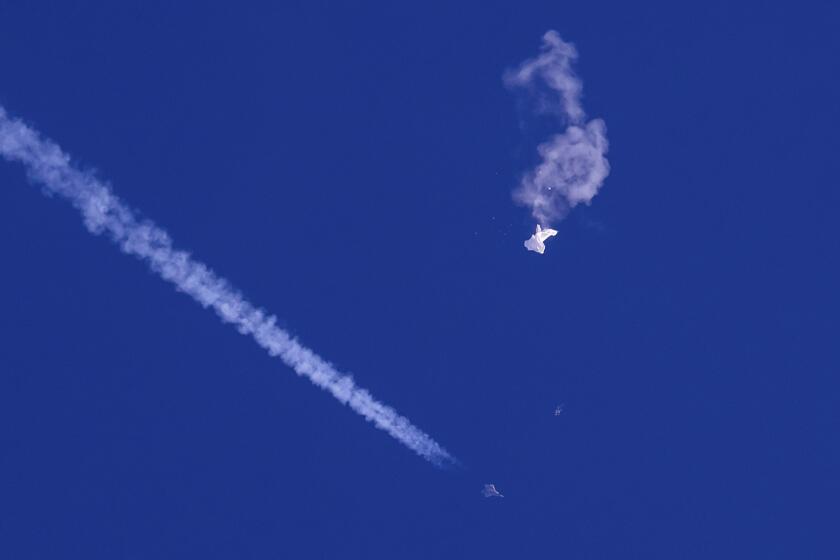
(536, 242)
(491, 492)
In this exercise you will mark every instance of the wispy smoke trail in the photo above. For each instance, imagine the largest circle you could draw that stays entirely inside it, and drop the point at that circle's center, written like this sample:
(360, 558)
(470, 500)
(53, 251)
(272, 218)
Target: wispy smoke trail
(573, 165)
(104, 213)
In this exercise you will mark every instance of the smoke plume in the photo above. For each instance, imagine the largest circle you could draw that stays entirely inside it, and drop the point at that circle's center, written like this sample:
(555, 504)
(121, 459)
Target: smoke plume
(572, 166)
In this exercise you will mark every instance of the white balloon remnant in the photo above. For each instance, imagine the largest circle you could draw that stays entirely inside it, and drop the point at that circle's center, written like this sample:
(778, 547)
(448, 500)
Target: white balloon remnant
(536, 242)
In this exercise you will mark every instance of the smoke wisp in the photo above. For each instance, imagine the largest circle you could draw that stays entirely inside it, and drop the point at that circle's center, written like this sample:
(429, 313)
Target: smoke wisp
(105, 214)
(573, 165)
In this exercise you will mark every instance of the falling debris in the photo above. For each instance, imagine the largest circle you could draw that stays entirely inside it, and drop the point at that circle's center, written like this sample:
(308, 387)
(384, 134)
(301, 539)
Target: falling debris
(491, 492)
(536, 242)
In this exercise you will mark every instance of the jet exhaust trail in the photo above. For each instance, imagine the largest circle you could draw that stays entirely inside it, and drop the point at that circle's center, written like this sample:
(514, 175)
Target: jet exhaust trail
(104, 213)
(573, 165)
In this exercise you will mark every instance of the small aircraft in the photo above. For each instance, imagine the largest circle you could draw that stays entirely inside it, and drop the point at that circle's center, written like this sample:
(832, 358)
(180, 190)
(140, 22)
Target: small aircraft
(536, 242)
(491, 492)
(558, 410)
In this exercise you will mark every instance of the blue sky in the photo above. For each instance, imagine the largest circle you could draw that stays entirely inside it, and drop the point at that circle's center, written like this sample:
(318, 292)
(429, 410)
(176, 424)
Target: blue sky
(350, 169)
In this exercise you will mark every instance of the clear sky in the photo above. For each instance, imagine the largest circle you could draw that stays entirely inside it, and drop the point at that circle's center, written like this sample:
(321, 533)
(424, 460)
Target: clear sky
(349, 167)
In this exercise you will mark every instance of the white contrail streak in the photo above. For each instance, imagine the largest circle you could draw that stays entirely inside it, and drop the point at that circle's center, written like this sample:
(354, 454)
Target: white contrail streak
(103, 212)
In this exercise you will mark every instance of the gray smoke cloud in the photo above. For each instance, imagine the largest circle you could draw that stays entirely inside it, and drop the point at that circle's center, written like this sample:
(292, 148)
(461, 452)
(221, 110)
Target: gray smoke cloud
(573, 165)
(105, 214)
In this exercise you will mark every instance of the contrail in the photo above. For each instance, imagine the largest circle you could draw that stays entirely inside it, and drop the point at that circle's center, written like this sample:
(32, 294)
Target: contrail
(104, 213)
(573, 165)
